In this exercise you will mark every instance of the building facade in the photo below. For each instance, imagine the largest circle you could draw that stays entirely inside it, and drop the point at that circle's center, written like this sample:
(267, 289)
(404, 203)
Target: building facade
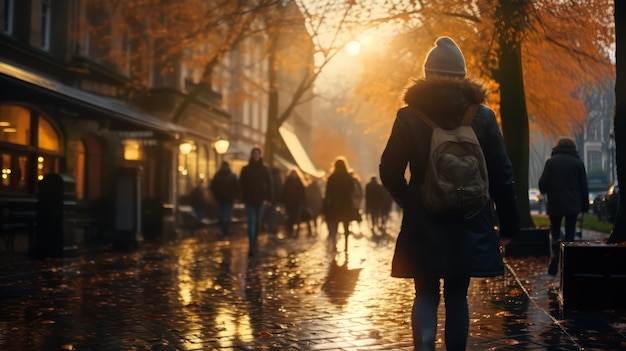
(66, 109)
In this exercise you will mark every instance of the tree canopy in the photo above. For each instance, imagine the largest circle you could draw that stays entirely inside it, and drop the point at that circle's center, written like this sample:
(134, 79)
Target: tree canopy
(565, 48)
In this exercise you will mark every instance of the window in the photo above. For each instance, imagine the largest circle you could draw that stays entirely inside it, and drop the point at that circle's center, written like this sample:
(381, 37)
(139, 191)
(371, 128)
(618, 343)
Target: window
(14, 124)
(47, 136)
(7, 16)
(25, 159)
(595, 160)
(45, 24)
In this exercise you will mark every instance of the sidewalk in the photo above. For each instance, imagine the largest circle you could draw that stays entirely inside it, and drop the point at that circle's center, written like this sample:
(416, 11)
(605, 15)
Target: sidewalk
(202, 292)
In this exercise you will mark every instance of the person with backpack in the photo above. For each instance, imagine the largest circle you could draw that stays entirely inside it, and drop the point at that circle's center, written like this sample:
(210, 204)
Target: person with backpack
(447, 230)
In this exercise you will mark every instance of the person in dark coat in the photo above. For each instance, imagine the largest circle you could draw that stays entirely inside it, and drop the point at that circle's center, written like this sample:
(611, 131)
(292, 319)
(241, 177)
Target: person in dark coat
(314, 200)
(225, 189)
(374, 203)
(339, 197)
(256, 190)
(449, 247)
(273, 211)
(294, 199)
(564, 181)
(199, 202)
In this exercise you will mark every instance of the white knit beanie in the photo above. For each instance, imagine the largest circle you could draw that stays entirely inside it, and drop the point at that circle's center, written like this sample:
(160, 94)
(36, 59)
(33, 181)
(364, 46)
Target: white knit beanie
(445, 58)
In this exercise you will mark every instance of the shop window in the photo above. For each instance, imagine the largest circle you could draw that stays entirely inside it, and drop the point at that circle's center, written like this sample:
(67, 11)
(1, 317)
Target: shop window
(46, 165)
(14, 176)
(25, 159)
(14, 124)
(79, 171)
(48, 138)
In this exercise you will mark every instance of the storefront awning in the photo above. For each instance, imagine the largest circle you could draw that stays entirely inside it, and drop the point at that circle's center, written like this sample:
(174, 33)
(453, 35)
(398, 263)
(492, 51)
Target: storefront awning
(10, 74)
(298, 153)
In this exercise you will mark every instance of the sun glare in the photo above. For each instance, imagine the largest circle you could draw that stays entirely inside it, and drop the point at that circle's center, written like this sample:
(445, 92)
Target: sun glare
(353, 48)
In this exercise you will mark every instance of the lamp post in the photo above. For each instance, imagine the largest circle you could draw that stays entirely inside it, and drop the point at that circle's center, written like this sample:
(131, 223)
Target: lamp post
(185, 149)
(612, 149)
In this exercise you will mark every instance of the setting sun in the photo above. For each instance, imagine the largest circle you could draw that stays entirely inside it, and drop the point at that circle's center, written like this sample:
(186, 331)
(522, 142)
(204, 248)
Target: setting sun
(353, 47)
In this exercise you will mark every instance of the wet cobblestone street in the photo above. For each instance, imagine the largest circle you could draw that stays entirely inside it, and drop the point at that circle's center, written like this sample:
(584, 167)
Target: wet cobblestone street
(203, 292)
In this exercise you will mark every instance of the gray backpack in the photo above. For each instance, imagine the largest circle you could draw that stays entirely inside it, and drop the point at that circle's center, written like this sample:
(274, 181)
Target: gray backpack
(456, 181)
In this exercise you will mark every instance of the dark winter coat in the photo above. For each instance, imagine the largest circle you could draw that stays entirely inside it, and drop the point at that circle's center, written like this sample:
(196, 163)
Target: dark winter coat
(374, 197)
(564, 180)
(294, 196)
(256, 183)
(445, 245)
(339, 201)
(224, 187)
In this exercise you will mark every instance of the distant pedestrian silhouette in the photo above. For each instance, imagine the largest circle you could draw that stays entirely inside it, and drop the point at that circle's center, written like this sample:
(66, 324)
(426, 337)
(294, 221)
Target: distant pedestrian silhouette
(225, 189)
(564, 181)
(294, 199)
(339, 200)
(374, 203)
(256, 191)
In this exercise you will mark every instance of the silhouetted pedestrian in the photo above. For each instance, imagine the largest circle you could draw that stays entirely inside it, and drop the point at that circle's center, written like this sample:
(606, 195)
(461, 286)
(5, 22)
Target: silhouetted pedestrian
(314, 200)
(198, 199)
(256, 190)
(339, 199)
(294, 199)
(450, 247)
(564, 181)
(374, 203)
(273, 215)
(225, 189)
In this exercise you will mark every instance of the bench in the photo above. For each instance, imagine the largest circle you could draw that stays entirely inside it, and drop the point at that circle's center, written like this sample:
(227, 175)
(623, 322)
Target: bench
(16, 221)
(89, 217)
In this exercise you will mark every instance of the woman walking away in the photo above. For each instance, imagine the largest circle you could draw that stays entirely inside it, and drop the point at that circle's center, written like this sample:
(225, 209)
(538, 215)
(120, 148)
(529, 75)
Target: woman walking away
(338, 202)
(452, 247)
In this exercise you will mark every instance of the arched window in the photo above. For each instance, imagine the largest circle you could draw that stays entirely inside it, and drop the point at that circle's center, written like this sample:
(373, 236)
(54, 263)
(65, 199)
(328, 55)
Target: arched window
(25, 158)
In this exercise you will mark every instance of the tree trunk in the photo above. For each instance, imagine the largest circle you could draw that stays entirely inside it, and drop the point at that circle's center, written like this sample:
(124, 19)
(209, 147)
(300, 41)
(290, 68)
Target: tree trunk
(513, 104)
(272, 114)
(619, 120)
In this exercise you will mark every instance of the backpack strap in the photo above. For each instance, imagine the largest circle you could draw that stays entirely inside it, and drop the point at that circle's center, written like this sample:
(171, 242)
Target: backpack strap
(469, 115)
(425, 118)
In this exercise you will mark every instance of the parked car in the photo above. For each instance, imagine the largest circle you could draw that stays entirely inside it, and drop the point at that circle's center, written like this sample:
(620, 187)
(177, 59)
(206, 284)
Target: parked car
(535, 200)
(608, 203)
(595, 203)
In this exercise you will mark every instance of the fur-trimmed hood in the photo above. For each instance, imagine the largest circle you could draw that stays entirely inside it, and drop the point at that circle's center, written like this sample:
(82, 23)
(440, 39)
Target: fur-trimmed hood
(445, 99)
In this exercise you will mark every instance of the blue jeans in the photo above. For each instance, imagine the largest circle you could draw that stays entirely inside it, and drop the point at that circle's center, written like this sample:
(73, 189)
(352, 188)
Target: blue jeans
(424, 313)
(255, 221)
(224, 214)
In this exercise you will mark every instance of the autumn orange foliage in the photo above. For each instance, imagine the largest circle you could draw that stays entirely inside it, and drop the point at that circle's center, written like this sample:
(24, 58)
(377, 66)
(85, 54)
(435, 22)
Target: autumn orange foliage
(566, 49)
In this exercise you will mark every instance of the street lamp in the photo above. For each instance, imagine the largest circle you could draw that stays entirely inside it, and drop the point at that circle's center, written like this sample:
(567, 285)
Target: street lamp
(185, 149)
(221, 146)
(612, 149)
